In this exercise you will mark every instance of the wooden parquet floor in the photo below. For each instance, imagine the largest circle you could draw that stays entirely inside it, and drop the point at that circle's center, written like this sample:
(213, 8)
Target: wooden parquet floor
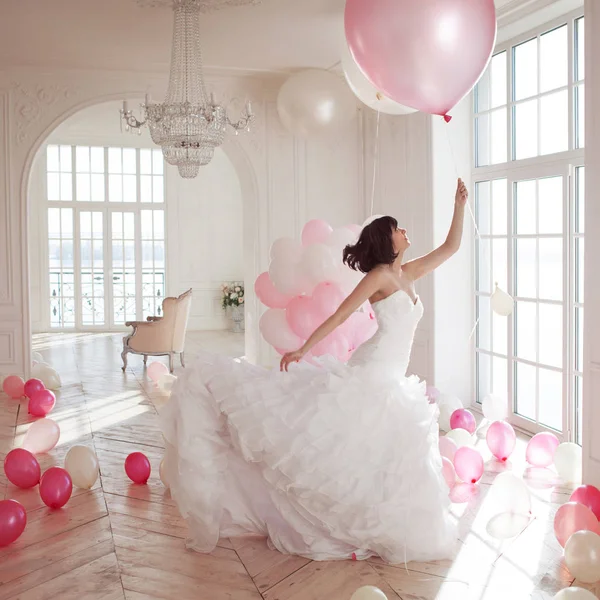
(120, 540)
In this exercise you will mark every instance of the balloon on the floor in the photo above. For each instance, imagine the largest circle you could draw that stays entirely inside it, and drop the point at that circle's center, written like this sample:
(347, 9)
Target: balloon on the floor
(22, 468)
(162, 474)
(37, 357)
(494, 408)
(501, 439)
(574, 593)
(56, 487)
(156, 370)
(41, 403)
(13, 519)
(468, 463)
(448, 448)
(166, 382)
(582, 556)
(461, 437)
(82, 465)
(568, 462)
(447, 405)
(425, 54)
(41, 436)
(541, 449)
(589, 496)
(47, 375)
(315, 101)
(368, 592)
(462, 418)
(509, 501)
(32, 386)
(507, 525)
(572, 517)
(502, 303)
(448, 471)
(14, 387)
(137, 467)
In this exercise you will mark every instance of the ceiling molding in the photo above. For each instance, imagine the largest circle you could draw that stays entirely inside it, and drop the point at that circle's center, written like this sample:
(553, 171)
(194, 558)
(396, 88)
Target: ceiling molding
(206, 6)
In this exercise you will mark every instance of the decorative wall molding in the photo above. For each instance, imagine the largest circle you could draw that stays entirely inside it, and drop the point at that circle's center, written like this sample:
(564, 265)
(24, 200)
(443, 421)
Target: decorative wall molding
(6, 266)
(7, 348)
(206, 6)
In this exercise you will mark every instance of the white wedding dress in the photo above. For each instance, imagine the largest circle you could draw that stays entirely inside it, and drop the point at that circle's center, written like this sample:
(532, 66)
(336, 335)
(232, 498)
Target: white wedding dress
(329, 462)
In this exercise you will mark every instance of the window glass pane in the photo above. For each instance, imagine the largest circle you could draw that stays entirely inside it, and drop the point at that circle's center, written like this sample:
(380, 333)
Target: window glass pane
(499, 377)
(525, 268)
(83, 187)
(554, 123)
(114, 160)
(498, 140)
(66, 159)
(551, 335)
(554, 59)
(550, 190)
(579, 269)
(551, 269)
(499, 207)
(578, 409)
(580, 116)
(579, 49)
(580, 199)
(525, 69)
(525, 390)
(500, 263)
(52, 160)
(146, 161)
(500, 334)
(482, 140)
(484, 271)
(66, 186)
(482, 206)
(525, 213)
(550, 398)
(158, 191)
(82, 159)
(158, 162)
(97, 160)
(526, 129)
(98, 188)
(53, 186)
(129, 161)
(484, 375)
(484, 312)
(498, 80)
(525, 330)
(579, 339)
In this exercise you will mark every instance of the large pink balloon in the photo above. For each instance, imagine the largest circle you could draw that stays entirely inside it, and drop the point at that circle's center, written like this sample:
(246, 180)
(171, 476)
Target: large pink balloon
(462, 418)
(336, 345)
(327, 298)
(14, 387)
(572, 517)
(541, 448)
(13, 519)
(41, 403)
(589, 496)
(22, 468)
(302, 316)
(468, 463)
(316, 231)
(56, 487)
(427, 54)
(277, 332)
(268, 294)
(501, 439)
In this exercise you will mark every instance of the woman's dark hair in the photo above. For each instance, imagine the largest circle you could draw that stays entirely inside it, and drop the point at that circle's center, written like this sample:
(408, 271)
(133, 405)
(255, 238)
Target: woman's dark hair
(374, 246)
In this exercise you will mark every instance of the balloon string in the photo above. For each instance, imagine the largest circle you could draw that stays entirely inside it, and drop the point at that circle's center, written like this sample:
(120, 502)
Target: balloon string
(375, 160)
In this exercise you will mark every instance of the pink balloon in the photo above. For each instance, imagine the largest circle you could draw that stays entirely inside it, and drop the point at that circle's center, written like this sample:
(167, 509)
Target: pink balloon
(589, 496)
(359, 328)
(302, 316)
(41, 403)
(13, 519)
(22, 468)
(277, 332)
(41, 436)
(448, 448)
(14, 387)
(32, 386)
(572, 517)
(336, 345)
(462, 418)
(56, 487)
(316, 231)
(137, 467)
(424, 54)
(448, 472)
(432, 393)
(268, 294)
(156, 370)
(541, 448)
(501, 439)
(327, 298)
(468, 463)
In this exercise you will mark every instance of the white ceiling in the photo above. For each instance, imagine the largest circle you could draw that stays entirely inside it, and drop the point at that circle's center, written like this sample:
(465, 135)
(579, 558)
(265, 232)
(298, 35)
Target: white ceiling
(119, 34)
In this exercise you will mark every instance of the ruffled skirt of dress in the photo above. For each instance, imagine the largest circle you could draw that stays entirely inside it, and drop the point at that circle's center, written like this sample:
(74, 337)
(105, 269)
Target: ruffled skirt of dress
(327, 462)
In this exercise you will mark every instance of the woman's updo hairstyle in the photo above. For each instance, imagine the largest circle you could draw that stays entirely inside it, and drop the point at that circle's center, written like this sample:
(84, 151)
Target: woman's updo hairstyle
(374, 246)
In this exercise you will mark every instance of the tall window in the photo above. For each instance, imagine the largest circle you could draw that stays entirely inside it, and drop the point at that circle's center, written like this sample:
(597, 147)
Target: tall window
(528, 173)
(106, 235)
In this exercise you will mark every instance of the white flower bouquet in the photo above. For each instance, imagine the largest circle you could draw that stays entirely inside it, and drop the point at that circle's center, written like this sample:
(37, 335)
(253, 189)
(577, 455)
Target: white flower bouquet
(232, 295)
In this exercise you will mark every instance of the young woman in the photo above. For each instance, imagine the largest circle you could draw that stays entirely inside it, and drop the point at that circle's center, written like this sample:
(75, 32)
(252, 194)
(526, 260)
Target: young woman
(328, 463)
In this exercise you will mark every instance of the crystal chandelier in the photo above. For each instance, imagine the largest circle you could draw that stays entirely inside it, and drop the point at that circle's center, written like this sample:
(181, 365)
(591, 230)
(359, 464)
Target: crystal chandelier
(188, 125)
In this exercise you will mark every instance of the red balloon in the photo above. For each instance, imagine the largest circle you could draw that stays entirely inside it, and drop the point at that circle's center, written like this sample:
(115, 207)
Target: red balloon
(137, 467)
(41, 403)
(56, 487)
(32, 386)
(22, 468)
(589, 496)
(13, 519)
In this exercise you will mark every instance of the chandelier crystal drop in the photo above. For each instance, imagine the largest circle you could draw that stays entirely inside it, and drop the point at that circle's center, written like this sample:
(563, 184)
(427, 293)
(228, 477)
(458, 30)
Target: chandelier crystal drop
(189, 124)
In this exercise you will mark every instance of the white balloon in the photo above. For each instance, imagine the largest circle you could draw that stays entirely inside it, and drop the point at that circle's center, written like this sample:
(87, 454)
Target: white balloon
(509, 494)
(318, 264)
(288, 278)
(162, 473)
(49, 376)
(315, 101)
(286, 249)
(582, 556)
(339, 239)
(574, 593)
(507, 525)
(166, 382)
(461, 437)
(368, 592)
(370, 219)
(494, 408)
(568, 460)
(37, 357)
(502, 303)
(365, 91)
(276, 331)
(82, 465)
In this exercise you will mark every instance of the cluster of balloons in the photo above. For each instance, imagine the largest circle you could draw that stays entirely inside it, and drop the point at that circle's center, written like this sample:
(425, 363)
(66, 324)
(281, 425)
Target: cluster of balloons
(305, 285)
(544, 449)
(426, 55)
(160, 375)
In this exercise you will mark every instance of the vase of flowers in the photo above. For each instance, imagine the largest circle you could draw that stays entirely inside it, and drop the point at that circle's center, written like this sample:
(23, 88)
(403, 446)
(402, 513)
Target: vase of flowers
(232, 301)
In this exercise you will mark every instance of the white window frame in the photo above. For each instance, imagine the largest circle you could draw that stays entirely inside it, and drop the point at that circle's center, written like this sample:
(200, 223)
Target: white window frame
(107, 208)
(562, 163)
